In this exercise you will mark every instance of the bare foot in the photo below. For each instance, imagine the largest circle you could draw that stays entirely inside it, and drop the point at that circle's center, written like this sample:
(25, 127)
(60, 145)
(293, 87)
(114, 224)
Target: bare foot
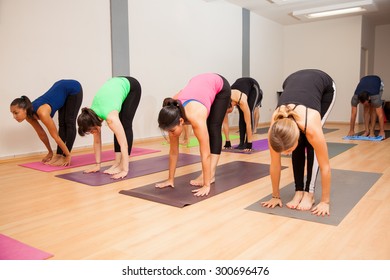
(54, 160)
(112, 170)
(293, 204)
(366, 133)
(307, 202)
(199, 181)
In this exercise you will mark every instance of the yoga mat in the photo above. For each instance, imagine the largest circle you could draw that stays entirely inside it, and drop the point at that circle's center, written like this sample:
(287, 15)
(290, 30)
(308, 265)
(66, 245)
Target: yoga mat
(335, 149)
(86, 159)
(387, 133)
(358, 136)
(348, 187)
(257, 146)
(365, 138)
(229, 176)
(265, 130)
(136, 168)
(193, 141)
(12, 249)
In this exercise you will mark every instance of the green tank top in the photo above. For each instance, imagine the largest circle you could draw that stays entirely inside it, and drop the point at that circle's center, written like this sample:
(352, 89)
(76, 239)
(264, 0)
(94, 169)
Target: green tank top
(110, 97)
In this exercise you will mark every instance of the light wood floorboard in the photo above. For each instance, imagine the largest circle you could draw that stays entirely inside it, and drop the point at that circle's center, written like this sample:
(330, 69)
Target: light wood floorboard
(74, 221)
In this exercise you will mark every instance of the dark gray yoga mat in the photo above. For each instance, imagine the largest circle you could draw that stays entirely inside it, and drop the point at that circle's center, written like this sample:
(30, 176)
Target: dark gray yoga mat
(348, 187)
(335, 149)
(136, 168)
(229, 176)
(263, 130)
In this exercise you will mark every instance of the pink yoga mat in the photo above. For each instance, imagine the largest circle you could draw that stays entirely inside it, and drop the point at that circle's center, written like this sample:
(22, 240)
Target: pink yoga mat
(11, 249)
(85, 160)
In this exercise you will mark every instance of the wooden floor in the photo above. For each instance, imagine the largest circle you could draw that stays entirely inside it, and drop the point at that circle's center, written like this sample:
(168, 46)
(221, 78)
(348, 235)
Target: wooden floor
(74, 221)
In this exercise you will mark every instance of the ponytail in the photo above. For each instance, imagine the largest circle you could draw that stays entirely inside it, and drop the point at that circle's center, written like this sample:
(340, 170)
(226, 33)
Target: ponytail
(24, 102)
(284, 132)
(170, 114)
(87, 120)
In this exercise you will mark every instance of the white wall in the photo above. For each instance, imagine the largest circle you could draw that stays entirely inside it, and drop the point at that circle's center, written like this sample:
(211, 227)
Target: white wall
(175, 41)
(266, 61)
(43, 41)
(332, 46)
(382, 57)
(46, 40)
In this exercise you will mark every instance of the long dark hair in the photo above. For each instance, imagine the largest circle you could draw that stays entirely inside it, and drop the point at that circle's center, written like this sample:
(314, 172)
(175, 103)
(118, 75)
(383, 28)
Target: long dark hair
(171, 113)
(24, 102)
(86, 120)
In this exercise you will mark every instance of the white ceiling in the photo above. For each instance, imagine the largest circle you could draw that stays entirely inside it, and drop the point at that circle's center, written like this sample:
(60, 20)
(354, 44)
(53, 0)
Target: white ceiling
(378, 13)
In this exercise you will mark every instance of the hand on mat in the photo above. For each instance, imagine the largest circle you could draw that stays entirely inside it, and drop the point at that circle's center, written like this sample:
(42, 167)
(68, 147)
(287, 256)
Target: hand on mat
(272, 203)
(202, 191)
(321, 209)
(48, 157)
(164, 184)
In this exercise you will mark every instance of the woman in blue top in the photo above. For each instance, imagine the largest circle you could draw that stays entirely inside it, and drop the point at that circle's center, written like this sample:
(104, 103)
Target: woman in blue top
(65, 96)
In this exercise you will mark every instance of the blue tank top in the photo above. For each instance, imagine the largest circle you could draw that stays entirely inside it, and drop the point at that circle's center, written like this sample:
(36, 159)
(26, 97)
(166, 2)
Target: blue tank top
(57, 95)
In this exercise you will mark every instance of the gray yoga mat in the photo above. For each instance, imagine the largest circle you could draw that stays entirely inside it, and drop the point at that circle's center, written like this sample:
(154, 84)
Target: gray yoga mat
(348, 187)
(229, 176)
(335, 149)
(263, 130)
(136, 168)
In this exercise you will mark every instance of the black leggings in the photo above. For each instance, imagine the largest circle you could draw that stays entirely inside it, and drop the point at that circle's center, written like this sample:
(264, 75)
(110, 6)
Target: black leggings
(305, 149)
(254, 100)
(67, 116)
(215, 119)
(127, 113)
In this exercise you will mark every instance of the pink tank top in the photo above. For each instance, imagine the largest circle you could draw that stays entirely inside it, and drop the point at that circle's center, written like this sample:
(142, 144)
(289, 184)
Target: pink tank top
(202, 88)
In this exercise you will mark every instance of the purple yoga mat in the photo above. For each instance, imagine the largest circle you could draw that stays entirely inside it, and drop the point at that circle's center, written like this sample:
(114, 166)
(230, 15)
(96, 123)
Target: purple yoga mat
(86, 159)
(257, 146)
(11, 249)
(136, 168)
(229, 176)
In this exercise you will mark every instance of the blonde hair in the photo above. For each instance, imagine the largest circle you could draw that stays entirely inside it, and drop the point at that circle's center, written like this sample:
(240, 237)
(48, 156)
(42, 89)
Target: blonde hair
(284, 132)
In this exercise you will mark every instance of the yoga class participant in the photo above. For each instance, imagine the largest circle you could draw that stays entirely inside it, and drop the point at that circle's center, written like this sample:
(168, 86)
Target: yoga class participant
(296, 127)
(116, 103)
(247, 96)
(65, 96)
(369, 93)
(202, 103)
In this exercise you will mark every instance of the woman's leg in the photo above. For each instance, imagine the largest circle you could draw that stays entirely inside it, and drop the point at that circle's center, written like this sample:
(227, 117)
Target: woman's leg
(126, 116)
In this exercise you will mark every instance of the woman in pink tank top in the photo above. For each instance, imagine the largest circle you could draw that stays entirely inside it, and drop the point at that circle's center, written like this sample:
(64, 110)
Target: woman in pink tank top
(202, 104)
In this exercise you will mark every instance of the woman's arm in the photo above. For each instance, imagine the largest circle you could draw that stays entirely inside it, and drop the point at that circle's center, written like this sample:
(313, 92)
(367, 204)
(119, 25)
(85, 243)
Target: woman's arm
(173, 156)
(200, 130)
(43, 136)
(247, 117)
(97, 149)
(275, 169)
(44, 115)
(116, 126)
(316, 138)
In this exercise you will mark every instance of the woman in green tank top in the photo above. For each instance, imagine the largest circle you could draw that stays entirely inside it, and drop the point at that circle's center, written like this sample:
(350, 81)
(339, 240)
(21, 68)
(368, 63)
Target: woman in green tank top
(116, 103)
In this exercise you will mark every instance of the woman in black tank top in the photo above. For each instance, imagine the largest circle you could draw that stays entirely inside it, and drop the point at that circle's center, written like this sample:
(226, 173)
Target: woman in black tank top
(296, 128)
